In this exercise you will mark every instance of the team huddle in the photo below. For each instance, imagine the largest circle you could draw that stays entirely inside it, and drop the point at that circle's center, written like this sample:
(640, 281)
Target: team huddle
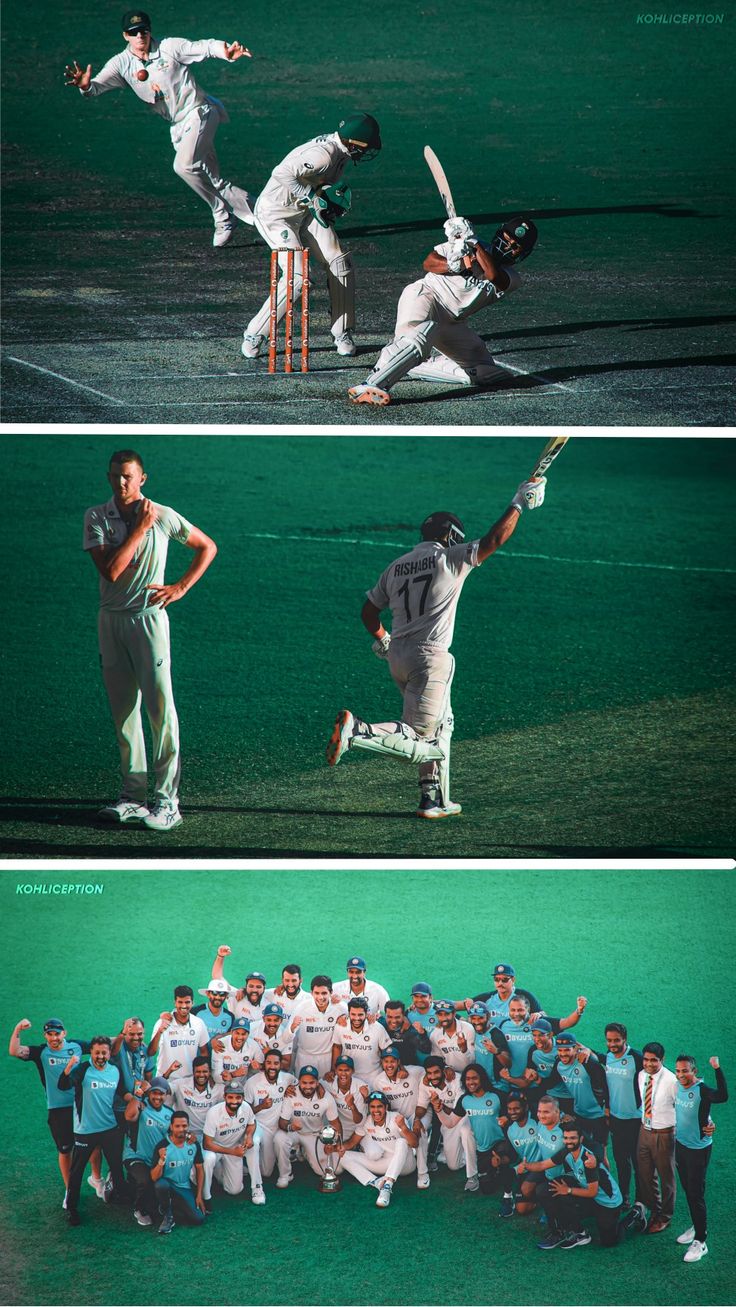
(298, 208)
(342, 1079)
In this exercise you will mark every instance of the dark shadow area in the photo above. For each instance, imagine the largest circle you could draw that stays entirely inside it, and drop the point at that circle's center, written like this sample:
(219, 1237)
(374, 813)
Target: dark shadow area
(663, 210)
(605, 324)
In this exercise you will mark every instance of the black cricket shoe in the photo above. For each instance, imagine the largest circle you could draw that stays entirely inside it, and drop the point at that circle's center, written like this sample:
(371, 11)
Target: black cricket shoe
(167, 1224)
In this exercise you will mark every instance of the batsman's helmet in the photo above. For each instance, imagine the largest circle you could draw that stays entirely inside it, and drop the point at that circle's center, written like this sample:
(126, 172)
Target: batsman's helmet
(362, 135)
(515, 240)
(440, 525)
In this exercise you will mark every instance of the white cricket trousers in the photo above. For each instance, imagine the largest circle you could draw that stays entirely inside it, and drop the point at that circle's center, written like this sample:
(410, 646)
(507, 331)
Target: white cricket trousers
(136, 667)
(458, 1143)
(228, 1169)
(264, 1141)
(423, 323)
(373, 1160)
(196, 162)
(423, 674)
(295, 231)
(284, 1141)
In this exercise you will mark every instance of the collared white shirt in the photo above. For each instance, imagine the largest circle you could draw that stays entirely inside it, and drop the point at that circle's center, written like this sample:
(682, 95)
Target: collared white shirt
(664, 1091)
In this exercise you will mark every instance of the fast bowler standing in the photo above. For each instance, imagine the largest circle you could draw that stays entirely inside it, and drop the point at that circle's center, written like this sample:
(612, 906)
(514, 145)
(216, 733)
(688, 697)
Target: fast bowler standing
(159, 74)
(422, 589)
(128, 540)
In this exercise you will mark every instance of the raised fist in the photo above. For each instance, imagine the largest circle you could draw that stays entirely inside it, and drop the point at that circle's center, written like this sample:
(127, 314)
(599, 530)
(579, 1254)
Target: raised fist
(224, 951)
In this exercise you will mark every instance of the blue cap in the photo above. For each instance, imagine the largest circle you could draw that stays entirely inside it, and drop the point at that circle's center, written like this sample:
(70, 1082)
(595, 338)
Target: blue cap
(344, 1060)
(443, 1005)
(541, 1024)
(53, 1024)
(478, 1010)
(240, 1023)
(566, 1041)
(159, 1082)
(255, 975)
(273, 1010)
(309, 1071)
(503, 969)
(422, 987)
(358, 963)
(391, 1051)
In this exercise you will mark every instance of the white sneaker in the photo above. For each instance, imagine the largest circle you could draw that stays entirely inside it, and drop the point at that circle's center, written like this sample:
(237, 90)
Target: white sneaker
(369, 395)
(251, 346)
(423, 1182)
(141, 1217)
(97, 1185)
(342, 733)
(123, 811)
(163, 816)
(431, 807)
(257, 1196)
(472, 1184)
(384, 1197)
(687, 1236)
(695, 1251)
(63, 1205)
(224, 232)
(345, 344)
(283, 1182)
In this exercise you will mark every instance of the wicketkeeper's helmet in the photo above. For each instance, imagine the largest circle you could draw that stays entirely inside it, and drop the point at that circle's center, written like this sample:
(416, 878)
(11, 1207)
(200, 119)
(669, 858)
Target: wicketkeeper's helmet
(520, 232)
(441, 526)
(362, 135)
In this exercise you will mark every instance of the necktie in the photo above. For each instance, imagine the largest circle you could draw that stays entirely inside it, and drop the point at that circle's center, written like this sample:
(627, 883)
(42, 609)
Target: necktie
(648, 1099)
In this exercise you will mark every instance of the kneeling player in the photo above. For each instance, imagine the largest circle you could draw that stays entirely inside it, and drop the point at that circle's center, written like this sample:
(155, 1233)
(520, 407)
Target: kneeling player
(228, 1142)
(586, 1188)
(171, 1176)
(147, 1118)
(386, 1144)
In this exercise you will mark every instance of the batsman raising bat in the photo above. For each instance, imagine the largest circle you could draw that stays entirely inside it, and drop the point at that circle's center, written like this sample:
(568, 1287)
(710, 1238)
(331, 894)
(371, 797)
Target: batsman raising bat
(422, 589)
(464, 274)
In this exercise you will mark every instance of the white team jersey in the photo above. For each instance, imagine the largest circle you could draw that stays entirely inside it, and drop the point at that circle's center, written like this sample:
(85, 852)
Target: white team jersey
(242, 1007)
(376, 995)
(180, 1043)
(232, 1059)
(315, 1034)
(258, 1088)
(448, 1095)
(403, 1092)
(105, 528)
(185, 1097)
(170, 89)
(282, 1041)
(364, 1047)
(227, 1130)
(289, 1006)
(344, 1112)
(447, 1045)
(457, 293)
(311, 1113)
(319, 162)
(387, 1136)
(422, 589)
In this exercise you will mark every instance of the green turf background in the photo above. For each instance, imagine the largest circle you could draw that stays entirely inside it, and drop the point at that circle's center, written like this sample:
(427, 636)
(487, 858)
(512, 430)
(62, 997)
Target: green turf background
(652, 949)
(593, 700)
(611, 131)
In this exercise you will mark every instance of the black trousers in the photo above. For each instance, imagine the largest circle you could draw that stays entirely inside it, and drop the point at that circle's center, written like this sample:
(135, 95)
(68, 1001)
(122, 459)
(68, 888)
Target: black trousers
(111, 1143)
(144, 1199)
(692, 1164)
(625, 1144)
(566, 1212)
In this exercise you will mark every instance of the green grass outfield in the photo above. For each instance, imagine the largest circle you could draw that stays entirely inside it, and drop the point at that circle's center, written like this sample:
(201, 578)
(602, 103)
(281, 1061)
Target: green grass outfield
(593, 695)
(652, 950)
(610, 130)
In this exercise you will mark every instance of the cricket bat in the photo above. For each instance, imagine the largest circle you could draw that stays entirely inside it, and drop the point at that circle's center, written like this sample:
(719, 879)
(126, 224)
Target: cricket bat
(441, 182)
(548, 456)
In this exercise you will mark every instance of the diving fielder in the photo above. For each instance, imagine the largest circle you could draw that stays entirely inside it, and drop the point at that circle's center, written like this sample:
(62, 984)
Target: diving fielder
(158, 72)
(422, 589)
(297, 210)
(463, 275)
(128, 539)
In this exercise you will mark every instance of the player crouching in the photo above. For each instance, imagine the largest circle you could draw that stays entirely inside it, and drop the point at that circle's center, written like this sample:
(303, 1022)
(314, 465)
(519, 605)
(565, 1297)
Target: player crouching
(386, 1143)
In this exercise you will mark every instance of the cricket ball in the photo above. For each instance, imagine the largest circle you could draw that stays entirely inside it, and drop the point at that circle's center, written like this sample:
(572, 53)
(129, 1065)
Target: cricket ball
(142, 75)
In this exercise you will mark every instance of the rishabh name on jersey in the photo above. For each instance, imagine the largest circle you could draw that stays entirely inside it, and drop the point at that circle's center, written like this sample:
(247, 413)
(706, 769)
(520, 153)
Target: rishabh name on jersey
(578, 1083)
(104, 528)
(179, 1162)
(151, 1127)
(50, 1064)
(98, 1090)
(422, 589)
(621, 1075)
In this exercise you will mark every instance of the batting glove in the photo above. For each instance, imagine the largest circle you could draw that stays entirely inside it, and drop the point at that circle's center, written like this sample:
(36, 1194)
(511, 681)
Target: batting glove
(459, 228)
(529, 495)
(380, 647)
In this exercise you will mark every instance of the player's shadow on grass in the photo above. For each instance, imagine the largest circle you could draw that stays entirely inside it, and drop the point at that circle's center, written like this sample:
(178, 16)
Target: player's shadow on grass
(663, 210)
(605, 324)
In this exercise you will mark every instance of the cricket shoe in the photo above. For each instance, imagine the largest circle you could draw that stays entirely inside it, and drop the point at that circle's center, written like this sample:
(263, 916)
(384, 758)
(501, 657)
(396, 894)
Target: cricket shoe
(687, 1236)
(342, 733)
(98, 1185)
(167, 1224)
(224, 232)
(141, 1217)
(636, 1219)
(163, 816)
(369, 395)
(508, 1206)
(695, 1251)
(345, 344)
(384, 1197)
(423, 1181)
(257, 1195)
(439, 368)
(124, 811)
(251, 346)
(284, 1181)
(576, 1239)
(553, 1240)
(432, 807)
(472, 1184)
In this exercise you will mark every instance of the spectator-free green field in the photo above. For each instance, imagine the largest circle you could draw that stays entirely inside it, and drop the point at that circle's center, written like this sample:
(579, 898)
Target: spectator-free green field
(607, 124)
(653, 950)
(593, 695)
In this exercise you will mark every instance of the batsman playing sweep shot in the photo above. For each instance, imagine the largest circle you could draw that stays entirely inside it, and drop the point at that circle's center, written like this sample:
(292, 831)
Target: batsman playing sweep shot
(422, 589)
